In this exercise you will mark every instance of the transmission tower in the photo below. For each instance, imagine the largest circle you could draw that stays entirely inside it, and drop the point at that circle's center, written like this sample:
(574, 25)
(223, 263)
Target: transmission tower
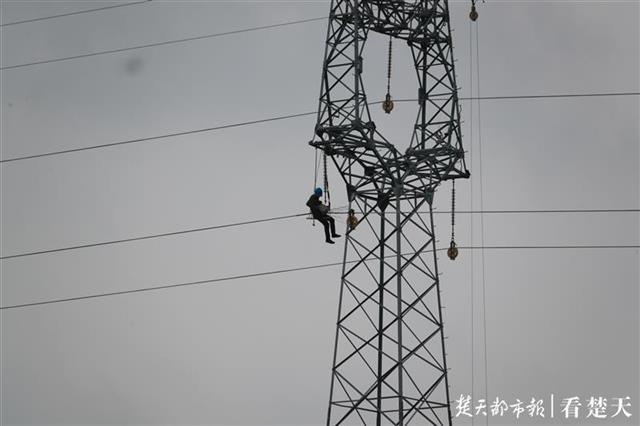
(389, 363)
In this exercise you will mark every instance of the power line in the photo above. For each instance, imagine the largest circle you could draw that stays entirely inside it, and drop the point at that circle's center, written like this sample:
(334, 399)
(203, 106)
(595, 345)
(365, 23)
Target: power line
(162, 43)
(614, 246)
(530, 211)
(283, 271)
(163, 287)
(148, 237)
(150, 138)
(276, 218)
(285, 117)
(74, 13)
(549, 96)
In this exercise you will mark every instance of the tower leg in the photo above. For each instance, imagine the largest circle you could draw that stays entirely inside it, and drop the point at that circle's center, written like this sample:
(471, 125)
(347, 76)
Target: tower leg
(389, 364)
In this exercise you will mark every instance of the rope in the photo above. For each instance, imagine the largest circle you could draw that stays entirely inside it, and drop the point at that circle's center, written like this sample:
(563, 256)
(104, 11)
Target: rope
(315, 181)
(315, 169)
(327, 196)
(471, 283)
(484, 291)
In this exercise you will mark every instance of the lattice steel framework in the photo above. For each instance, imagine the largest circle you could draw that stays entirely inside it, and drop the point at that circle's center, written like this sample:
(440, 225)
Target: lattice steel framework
(389, 364)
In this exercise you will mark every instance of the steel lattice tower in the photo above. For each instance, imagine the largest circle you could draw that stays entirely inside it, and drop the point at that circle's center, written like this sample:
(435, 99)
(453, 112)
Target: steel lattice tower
(389, 364)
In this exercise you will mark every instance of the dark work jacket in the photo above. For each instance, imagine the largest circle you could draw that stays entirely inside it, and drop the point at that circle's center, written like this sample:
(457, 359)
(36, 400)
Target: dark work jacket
(314, 204)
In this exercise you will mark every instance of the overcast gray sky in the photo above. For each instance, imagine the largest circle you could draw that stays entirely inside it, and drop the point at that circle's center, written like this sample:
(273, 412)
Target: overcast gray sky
(258, 351)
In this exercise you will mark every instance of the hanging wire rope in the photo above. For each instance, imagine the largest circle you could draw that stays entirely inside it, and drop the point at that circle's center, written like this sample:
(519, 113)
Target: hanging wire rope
(547, 96)
(286, 117)
(315, 168)
(80, 12)
(303, 268)
(285, 217)
(162, 43)
(315, 182)
(327, 196)
(453, 210)
(471, 283)
(453, 250)
(387, 104)
(482, 257)
(389, 64)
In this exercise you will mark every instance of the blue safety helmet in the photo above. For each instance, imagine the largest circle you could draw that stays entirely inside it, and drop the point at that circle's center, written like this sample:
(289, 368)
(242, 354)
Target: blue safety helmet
(318, 192)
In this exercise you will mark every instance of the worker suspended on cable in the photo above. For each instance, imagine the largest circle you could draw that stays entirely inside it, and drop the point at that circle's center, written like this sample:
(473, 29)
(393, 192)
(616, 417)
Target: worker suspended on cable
(320, 212)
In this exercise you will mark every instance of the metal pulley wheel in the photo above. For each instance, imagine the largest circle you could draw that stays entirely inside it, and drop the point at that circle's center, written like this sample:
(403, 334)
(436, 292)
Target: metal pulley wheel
(473, 15)
(452, 252)
(387, 104)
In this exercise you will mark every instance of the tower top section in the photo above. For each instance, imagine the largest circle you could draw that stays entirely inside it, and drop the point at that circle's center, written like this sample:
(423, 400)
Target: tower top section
(371, 165)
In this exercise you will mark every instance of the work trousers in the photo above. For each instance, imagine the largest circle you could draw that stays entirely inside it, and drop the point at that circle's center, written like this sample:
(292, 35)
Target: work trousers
(327, 221)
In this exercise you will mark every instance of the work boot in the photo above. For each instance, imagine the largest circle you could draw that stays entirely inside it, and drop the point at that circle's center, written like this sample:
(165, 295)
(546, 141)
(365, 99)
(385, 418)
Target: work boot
(330, 241)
